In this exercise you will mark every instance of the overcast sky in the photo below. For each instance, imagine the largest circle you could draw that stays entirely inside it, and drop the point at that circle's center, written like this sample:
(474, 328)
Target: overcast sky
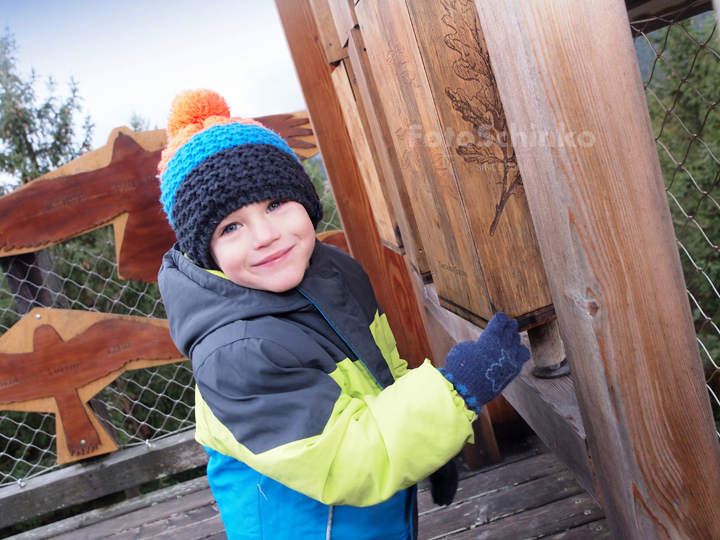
(133, 56)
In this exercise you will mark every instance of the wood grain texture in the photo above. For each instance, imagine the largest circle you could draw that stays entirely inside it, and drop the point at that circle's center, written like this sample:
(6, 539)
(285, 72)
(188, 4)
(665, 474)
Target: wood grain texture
(90, 480)
(510, 499)
(343, 13)
(326, 32)
(429, 177)
(365, 155)
(389, 163)
(601, 215)
(551, 409)
(122, 509)
(517, 470)
(474, 128)
(57, 360)
(396, 241)
(385, 268)
(539, 522)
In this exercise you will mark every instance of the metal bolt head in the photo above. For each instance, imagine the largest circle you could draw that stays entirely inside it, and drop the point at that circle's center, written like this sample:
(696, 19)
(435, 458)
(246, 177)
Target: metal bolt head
(38, 316)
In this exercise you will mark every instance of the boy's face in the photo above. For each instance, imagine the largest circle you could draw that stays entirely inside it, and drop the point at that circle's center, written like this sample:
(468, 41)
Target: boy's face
(265, 245)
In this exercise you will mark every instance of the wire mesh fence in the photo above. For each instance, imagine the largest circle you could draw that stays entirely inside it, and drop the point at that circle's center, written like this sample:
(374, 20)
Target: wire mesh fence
(140, 406)
(680, 67)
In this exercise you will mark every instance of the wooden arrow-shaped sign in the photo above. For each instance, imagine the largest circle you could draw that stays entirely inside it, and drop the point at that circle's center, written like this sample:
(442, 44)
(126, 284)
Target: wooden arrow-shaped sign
(57, 360)
(116, 185)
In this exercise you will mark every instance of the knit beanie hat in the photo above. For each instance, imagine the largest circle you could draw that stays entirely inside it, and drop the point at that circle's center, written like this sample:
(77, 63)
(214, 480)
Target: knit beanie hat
(215, 164)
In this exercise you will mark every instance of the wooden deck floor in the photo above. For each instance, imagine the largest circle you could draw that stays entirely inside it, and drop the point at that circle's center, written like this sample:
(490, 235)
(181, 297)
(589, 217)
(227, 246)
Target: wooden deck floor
(529, 495)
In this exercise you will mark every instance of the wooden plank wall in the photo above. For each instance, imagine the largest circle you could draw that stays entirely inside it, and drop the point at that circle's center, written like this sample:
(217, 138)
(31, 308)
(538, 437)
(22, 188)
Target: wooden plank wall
(601, 215)
(365, 151)
(439, 97)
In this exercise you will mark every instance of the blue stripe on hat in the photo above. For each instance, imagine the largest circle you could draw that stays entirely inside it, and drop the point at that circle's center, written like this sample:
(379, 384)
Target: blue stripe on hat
(206, 143)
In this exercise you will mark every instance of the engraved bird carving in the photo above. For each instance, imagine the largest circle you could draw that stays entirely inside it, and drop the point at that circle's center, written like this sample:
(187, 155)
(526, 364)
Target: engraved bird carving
(49, 211)
(58, 369)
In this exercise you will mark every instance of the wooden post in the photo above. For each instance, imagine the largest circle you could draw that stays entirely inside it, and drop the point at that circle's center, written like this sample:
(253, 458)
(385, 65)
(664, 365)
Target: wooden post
(548, 352)
(568, 78)
(385, 267)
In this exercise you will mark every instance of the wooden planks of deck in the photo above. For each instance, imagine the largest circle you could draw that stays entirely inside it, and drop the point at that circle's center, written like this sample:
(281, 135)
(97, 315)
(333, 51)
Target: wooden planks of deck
(530, 495)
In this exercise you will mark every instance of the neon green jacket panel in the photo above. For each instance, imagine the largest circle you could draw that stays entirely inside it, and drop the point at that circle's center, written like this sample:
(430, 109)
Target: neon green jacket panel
(371, 447)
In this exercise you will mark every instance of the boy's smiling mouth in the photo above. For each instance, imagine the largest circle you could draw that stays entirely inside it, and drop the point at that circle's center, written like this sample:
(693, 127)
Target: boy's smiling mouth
(274, 257)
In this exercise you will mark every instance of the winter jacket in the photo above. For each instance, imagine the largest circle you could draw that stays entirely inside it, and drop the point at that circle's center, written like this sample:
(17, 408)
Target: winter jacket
(314, 425)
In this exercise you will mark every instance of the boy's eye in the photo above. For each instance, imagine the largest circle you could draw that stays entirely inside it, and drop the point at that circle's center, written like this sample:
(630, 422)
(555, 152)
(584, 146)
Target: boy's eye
(230, 228)
(274, 205)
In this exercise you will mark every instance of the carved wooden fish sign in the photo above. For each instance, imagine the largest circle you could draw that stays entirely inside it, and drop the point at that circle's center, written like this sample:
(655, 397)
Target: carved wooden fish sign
(59, 361)
(117, 185)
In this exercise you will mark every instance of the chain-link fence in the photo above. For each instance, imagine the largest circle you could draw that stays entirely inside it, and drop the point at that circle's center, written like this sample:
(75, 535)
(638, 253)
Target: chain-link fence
(140, 406)
(680, 67)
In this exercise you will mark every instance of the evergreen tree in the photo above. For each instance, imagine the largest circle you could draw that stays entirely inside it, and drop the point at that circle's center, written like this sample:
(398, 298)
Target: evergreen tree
(36, 136)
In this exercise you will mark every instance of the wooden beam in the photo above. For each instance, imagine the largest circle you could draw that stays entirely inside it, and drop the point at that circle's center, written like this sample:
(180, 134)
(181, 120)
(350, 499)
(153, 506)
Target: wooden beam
(385, 268)
(388, 158)
(326, 32)
(366, 156)
(568, 72)
(648, 15)
(88, 481)
(343, 13)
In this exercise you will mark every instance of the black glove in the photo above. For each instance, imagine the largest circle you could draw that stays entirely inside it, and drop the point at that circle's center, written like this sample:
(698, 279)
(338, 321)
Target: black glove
(444, 483)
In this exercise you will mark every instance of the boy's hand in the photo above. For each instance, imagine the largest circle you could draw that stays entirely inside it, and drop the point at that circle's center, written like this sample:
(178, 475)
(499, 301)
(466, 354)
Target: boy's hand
(481, 370)
(444, 483)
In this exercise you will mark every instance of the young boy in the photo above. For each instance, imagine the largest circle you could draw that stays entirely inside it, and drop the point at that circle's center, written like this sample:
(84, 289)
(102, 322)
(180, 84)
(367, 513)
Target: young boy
(314, 425)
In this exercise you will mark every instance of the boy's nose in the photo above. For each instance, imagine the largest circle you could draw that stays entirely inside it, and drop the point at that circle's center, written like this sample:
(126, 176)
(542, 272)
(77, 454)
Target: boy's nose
(265, 234)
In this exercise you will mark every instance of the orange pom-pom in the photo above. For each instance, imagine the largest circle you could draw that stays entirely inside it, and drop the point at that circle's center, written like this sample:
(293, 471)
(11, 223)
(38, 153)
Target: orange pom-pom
(191, 112)
(194, 107)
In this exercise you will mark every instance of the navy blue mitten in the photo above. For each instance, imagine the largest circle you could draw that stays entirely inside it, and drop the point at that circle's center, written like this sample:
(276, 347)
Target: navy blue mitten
(480, 370)
(444, 484)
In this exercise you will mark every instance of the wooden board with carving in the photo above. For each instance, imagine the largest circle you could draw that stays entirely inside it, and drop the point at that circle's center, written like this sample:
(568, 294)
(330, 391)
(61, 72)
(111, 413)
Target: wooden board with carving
(113, 185)
(427, 171)
(91, 194)
(475, 130)
(56, 360)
